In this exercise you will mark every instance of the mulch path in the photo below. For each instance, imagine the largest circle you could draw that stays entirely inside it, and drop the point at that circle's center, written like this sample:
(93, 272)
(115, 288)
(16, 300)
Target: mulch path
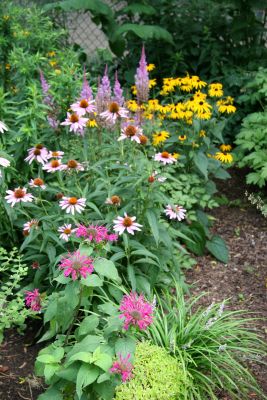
(242, 281)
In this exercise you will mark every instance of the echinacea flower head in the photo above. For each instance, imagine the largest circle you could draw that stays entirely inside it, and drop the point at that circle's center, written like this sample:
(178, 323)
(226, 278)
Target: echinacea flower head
(73, 165)
(114, 112)
(175, 212)
(65, 232)
(126, 223)
(33, 224)
(72, 205)
(95, 233)
(76, 265)
(113, 200)
(83, 106)
(154, 177)
(55, 154)
(123, 367)
(4, 162)
(131, 132)
(75, 122)
(38, 153)
(18, 195)
(142, 79)
(143, 139)
(165, 158)
(224, 157)
(33, 299)
(3, 127)
(37, 183)
(53, 166)
(136, 311)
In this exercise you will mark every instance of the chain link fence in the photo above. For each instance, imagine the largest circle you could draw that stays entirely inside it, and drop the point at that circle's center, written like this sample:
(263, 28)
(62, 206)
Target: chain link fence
(79, 24)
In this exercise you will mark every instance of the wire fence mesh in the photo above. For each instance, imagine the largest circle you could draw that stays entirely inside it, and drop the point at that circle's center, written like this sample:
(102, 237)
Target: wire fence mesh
(79, 24)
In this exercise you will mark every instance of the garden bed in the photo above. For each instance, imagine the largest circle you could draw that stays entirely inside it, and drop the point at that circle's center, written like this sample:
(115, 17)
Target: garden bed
(242, 281)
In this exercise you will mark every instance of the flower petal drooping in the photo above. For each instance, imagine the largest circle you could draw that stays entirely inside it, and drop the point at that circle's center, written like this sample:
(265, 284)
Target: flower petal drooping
(142, 79)
(175, 212)
(72, 204)
(33, 300)
(136, 311)
(126, 222)
(18, 195)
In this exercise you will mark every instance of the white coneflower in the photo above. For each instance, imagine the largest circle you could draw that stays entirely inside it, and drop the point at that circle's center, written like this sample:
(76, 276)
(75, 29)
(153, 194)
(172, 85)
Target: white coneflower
(72, 205)
(126, 223)
(18, 195)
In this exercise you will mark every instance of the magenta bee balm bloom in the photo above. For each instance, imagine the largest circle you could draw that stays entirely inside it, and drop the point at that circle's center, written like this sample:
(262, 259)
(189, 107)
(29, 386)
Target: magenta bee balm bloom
(76, 265)
(33, 300)
(136, 311)
(123, 367)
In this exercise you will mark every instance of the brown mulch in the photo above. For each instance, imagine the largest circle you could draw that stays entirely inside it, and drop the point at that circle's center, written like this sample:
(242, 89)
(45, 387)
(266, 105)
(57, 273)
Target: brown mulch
(242, 280)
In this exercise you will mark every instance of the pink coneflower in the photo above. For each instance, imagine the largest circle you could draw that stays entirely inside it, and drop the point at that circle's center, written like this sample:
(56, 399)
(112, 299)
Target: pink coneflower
(72, 205)
(175, 212)
(123, 367)
(131, 132)
(55, 154)
(114, 111)
(66, 230)
(33, 300)
(4, 162)
(38, 153)
(83, 106)
(30, 225)
(113, 200)
(136, 311)
(165, 158)
(73, 165)
(95, 233)
(53, 166)
(3, 127)
(154, 177)
(76, 122)
(18, 195)
(37, 183)
(76, 265)
(126, 222)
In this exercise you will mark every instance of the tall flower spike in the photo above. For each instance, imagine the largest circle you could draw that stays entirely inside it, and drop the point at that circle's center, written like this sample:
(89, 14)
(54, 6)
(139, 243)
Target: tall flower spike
(103, 96)
(142, 79)
(117, 91)
(86, 92)
(45, 85)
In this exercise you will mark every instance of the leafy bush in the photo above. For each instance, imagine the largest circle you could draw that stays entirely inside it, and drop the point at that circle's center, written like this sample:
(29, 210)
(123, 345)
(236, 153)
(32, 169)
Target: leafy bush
(156, 375)
(212, 344)
(252, 138)
(12, 272)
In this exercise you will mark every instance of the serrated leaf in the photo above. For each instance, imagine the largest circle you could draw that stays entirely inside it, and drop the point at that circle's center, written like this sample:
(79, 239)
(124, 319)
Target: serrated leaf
(107, 269)
(89, 324)
(87, 374)
(92, 281)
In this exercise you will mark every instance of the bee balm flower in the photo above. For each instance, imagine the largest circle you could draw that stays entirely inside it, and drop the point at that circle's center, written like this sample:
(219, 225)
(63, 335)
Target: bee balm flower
(72, 204)
(136, 311)
(33, 300)
(18, 195)
(76, 265)
(123, 367)
(126, 222)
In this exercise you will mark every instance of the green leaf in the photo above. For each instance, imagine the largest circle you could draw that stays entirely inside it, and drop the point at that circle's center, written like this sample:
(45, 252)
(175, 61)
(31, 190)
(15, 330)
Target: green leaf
(139, 8)
(218, 248)
(108, 308)
(95, 6)
(106, 268)
(201, 162)
(92, 281)
(85, 249)
(131, 276)
(104, 361)
(153, 223)
(103, 378)
(145, 32)
(88, 344)
(81, 356)
(51, 393)
(87, 374)
(124, 346)
(89, 324)
(69, 373)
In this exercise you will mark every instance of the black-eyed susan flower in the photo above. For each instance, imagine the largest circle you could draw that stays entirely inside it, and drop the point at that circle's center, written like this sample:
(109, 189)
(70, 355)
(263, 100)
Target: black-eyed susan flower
(224, 157)
(225, 147)
(160, 137)
(226, 106)
(152, 82)
(216, 90)
(197, 83)
(182, 137)
(202, 133)
(150, 67)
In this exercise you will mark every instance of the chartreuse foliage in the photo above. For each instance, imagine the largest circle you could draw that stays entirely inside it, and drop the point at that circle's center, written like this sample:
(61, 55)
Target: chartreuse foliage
(211, 344)
(13, 271)
(252, 138)
(157, 375)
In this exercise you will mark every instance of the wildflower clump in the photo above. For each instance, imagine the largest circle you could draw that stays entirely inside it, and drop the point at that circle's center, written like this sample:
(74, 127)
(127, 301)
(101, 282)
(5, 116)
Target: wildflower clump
(156, 375)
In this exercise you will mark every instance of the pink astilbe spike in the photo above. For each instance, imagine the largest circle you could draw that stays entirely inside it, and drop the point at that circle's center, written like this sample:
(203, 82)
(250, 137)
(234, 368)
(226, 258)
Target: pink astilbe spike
(117, 91)
(86, 92)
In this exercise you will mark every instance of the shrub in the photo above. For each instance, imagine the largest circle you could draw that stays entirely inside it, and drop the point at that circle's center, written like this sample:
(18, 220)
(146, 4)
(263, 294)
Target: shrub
(156, 375)
(212, 344)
